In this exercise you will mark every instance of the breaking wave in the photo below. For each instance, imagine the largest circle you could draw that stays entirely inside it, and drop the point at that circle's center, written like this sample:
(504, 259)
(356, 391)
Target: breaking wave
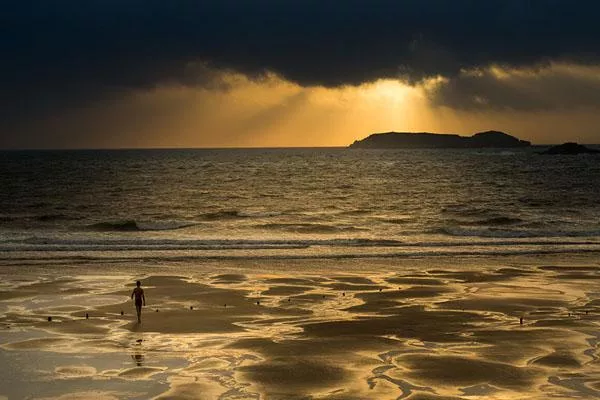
(237, 214)
(139, 226)
(498, 221)
(513, 233)
(310, 228)
(43, 248)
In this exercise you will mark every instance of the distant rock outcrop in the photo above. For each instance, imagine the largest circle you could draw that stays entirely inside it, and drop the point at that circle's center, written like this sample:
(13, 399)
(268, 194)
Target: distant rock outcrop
(570, 148)
(424, 140)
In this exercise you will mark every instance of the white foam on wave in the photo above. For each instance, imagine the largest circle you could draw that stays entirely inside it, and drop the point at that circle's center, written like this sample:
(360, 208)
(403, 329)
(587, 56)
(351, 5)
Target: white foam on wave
(258, 254)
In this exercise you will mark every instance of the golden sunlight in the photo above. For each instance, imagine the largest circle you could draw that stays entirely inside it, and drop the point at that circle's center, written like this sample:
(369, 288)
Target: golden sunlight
(391, 91)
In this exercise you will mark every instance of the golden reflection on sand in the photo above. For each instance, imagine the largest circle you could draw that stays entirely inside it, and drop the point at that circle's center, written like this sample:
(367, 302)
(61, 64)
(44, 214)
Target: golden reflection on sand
(506, 332)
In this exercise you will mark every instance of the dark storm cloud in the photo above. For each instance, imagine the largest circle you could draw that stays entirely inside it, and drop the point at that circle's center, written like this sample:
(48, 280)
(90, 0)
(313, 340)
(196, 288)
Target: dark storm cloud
(549, 88)
(60, 53)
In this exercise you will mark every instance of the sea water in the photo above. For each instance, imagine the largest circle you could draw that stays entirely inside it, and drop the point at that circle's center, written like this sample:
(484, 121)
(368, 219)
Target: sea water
(295, 203)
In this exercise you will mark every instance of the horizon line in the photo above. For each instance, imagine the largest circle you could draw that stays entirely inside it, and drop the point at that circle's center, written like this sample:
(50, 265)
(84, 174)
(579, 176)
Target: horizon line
(234, 148)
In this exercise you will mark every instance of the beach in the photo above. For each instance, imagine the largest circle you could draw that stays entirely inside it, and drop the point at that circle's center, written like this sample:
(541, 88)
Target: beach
(417, 328)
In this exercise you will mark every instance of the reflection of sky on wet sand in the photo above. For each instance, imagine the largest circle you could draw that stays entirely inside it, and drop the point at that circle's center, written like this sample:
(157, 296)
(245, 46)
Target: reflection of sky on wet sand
(338, 333)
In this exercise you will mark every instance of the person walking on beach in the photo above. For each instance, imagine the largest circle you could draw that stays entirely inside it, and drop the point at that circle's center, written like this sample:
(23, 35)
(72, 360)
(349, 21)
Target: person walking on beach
(140, 300)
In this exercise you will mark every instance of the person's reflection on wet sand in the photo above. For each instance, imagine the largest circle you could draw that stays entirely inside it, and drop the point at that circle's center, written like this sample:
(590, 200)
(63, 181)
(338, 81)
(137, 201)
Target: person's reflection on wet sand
(138, 359)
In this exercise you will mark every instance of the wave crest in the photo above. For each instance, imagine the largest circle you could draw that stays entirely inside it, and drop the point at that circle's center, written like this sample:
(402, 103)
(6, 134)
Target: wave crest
(138, 226)
(512, 233)
(237, 214)
(310, 228)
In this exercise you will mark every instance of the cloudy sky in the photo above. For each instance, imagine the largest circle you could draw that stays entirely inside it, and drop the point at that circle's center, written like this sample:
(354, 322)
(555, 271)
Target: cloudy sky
(221, 73)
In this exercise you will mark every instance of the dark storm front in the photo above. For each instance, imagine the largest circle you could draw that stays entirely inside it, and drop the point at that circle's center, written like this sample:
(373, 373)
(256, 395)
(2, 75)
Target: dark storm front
(298, 202)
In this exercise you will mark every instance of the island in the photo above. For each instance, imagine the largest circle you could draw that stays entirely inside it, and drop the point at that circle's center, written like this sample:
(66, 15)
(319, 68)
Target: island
(569, 148)
(425, 140)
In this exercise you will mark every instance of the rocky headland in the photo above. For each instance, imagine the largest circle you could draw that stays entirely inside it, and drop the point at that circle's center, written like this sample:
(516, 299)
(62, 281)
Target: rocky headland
(425, 140)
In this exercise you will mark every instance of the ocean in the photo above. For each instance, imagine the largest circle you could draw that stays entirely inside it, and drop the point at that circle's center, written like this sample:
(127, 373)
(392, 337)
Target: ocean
(295, 203)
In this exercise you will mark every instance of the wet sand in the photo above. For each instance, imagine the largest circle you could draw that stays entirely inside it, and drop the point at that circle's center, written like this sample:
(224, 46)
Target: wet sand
(353, 329)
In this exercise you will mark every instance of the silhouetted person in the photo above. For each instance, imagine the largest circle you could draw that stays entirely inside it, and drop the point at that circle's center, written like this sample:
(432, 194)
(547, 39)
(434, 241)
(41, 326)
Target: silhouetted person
(140, 299)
